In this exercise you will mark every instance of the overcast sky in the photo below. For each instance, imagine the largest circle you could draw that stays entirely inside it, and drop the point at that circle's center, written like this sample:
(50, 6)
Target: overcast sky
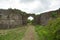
(31, 6)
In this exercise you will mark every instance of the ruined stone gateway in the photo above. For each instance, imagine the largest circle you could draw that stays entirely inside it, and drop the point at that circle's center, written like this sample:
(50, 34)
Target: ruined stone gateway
(11, 18)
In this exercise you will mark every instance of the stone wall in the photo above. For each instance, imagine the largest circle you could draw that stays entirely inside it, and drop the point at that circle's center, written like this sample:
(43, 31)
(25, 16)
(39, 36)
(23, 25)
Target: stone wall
(45, 17)
(25, 18)
(10, 19)
(37, 19)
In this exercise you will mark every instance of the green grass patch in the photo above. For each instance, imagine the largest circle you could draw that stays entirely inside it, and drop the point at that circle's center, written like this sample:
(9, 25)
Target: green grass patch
(48, 32)
(12, 34)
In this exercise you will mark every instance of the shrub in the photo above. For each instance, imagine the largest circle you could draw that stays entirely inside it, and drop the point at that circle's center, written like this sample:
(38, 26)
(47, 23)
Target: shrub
(53, 27)
(54, 14)
(49, 32)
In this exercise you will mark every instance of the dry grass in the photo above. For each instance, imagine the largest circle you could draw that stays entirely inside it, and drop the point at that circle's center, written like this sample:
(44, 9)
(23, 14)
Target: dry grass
(12, 34)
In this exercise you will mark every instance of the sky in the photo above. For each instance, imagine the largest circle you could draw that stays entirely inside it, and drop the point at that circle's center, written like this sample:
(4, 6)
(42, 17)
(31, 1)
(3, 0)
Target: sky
(31, 6)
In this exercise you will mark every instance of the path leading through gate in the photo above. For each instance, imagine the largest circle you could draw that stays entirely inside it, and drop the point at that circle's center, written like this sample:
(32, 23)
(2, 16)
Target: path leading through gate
(30, 34)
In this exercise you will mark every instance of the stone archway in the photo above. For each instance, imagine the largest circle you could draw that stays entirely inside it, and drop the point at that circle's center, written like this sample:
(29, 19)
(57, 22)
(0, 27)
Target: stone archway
(32, 15)
(30, 18)
(25, 18)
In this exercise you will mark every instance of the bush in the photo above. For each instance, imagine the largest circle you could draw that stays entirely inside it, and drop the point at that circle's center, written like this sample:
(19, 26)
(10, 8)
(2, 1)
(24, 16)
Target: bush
(54, 26)
(49, 32)
(54, 14)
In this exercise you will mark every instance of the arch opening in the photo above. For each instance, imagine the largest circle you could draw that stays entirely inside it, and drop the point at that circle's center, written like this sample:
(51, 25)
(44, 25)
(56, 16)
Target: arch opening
(30, 19)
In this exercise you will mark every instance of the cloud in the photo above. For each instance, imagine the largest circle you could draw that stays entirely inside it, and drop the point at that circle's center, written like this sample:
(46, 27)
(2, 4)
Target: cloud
(26, 1)
(43, 5)
(3, 0)
(31, 6)
(46, 4)
(4, 4)
(55, 4)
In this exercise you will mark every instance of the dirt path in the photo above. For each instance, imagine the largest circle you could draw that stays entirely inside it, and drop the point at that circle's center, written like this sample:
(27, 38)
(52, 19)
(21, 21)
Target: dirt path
(30, 33)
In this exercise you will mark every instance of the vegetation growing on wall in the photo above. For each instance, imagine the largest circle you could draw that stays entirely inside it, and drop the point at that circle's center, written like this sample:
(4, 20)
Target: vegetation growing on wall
(16, 11)
(49, 32)
(54, 14)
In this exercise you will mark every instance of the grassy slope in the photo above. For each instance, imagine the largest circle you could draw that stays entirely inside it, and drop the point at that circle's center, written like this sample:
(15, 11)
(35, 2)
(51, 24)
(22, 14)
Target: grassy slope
(12, 34)
(48, 32)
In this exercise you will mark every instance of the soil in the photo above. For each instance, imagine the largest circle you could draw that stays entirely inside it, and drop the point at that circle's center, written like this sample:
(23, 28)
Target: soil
(30, 33)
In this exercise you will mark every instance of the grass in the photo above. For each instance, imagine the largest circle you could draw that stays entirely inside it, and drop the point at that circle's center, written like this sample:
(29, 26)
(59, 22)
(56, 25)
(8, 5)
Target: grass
(48, 32)
(40, 31)
(12, 34)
